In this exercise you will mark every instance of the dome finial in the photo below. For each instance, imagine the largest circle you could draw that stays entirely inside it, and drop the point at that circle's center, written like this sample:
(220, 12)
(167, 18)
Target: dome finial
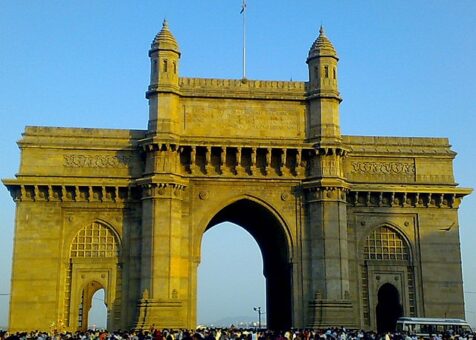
(322, 46)
(164, 39)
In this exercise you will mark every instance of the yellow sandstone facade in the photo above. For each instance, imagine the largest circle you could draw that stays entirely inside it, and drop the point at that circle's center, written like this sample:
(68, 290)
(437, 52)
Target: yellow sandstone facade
(354, 231)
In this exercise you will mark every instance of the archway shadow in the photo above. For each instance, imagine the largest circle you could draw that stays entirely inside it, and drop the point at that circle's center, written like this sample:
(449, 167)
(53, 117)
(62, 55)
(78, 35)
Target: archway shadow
(388, 308)
(270, 235)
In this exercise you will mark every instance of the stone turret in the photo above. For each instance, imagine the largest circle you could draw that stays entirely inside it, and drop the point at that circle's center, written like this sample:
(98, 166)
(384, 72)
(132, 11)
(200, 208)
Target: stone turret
(323, 93)
(326, 189)
(164, 56)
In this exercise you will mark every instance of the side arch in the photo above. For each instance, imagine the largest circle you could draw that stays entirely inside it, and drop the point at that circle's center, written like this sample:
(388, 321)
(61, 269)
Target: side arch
(94, 254)
(387, 274)
(388, 308)
(88, 289)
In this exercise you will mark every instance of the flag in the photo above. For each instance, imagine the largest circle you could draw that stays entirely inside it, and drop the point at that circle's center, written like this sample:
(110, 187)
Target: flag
(243, 7)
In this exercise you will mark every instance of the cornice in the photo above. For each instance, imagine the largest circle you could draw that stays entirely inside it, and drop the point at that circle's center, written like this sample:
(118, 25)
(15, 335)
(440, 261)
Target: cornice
(411, 188)
(242, 89)
(398, 146)
(99, 193)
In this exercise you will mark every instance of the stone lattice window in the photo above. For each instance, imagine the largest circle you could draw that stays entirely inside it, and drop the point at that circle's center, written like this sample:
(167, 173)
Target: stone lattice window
(95, 240)
(385, 243)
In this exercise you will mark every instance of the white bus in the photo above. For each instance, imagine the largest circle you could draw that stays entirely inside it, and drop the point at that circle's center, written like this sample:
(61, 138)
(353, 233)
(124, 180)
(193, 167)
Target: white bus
(431, 326)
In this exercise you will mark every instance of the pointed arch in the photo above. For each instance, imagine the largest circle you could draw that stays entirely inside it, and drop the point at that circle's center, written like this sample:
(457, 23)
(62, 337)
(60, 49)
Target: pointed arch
(271, 233)
(386, 242)
(388, 308)
(96, 239)
(386, 271)
(207, 221)
(94, 255)
(86, 300)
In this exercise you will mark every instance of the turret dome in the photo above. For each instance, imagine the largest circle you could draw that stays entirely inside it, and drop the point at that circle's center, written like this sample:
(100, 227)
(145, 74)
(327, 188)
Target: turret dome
(164, 40)
(322, 47)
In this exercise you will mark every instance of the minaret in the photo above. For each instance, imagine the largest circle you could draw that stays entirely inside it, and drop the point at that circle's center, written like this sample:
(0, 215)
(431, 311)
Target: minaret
(164, 82)
(163, 272)
(323, 93)
(325, 190)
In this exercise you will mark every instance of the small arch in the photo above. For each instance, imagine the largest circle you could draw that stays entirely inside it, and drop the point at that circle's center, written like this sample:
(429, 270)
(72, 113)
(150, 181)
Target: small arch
(97, 243)
(175, 67)
(388, 309)
(87, 293)
(334, 72)
(97, 315)
(165, 65)
(326, 71)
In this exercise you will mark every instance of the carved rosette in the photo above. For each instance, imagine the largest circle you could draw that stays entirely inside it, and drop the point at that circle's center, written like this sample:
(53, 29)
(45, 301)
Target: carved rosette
(203, 195)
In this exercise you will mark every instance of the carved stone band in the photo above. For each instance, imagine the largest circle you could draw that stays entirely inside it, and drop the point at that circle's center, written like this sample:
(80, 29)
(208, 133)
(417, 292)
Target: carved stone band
(383, 168)
(96, 161)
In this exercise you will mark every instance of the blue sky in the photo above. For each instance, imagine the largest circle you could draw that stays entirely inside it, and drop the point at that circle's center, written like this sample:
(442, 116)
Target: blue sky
(407, 68)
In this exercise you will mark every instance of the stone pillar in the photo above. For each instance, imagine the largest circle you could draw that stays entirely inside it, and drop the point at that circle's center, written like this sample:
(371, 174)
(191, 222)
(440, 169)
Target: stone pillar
(164, 269)
(329, 299)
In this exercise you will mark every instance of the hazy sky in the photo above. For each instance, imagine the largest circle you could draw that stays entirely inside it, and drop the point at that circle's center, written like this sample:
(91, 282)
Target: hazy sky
(407, 68)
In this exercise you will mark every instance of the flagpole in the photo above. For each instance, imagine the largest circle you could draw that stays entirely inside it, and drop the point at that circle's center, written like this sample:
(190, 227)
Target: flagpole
(243, 9)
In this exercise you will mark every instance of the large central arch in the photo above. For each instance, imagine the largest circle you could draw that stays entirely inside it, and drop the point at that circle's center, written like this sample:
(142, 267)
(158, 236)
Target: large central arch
(270, 234)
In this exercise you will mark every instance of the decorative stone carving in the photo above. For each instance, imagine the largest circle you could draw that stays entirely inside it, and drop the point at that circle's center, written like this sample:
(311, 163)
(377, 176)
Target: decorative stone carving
(383, 168)
(203, 195)
(96, 161)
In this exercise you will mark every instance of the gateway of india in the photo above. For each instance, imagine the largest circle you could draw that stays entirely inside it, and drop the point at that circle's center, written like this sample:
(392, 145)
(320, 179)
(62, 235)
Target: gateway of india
(354, 231)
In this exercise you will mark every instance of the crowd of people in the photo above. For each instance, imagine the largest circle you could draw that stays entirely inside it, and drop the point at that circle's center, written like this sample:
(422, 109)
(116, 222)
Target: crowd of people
(231, 334)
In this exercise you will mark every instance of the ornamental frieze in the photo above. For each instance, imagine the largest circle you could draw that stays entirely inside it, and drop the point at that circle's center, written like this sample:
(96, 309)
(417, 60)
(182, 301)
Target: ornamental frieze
(383, 168)
(96, 161)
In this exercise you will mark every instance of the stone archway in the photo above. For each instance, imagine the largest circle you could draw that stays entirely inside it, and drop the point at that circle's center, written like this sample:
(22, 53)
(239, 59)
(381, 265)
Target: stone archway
(388, 276)
(272, 240)
(94, 259)
(388, 309)
(86, 303)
